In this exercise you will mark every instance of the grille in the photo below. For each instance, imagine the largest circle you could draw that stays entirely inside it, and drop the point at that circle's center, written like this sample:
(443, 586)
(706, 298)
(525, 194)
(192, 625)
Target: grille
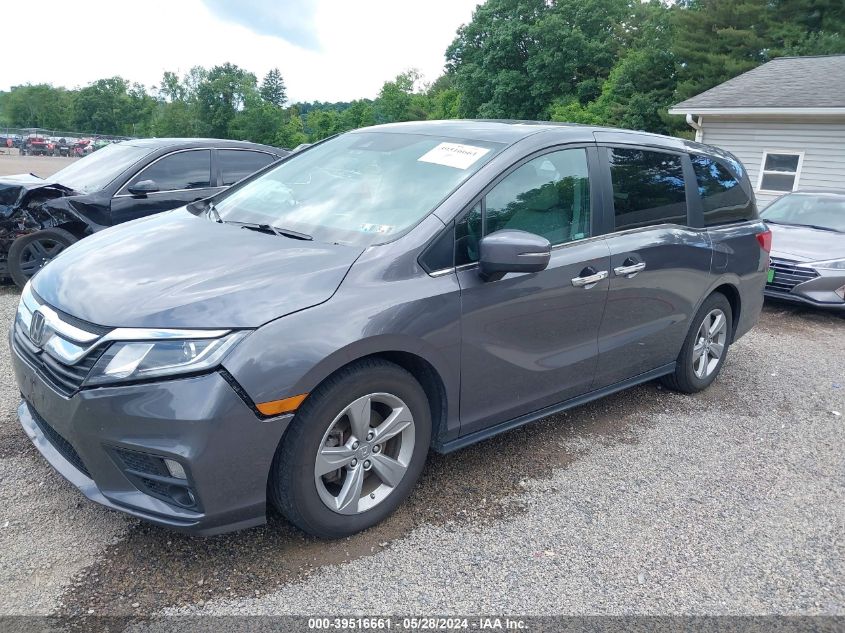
(66, 379)
(142, 462)
(150, 475)
(788, 275)
(59, 443)
(158, 488)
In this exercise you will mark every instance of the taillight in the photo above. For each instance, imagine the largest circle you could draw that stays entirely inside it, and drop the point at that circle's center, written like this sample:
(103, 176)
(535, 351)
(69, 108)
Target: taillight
(765, 239)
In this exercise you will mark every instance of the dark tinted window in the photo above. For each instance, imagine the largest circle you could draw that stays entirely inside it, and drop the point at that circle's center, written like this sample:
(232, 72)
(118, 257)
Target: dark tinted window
(547, 196)
(237, 164)
(182, 170)
(722, 198)
(648, 188)
(467, 237)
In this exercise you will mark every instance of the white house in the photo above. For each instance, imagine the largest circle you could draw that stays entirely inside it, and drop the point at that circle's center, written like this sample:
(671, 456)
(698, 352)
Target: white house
(785, 120)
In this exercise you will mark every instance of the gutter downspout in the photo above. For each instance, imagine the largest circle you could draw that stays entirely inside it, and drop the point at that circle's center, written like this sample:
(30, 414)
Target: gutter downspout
(695, 125)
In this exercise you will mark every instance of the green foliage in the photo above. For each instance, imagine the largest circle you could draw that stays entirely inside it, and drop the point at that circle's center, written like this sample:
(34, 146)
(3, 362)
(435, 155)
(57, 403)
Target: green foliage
(602, 62)
(273, 89)
(38, 105)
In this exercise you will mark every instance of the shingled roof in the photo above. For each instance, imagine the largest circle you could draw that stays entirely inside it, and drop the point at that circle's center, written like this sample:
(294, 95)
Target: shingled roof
(786, 82)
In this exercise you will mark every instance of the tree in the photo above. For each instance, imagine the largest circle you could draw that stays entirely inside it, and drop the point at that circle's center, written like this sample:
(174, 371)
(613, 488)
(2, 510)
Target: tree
(292, 132)
(641, 84)
(39, 105)
(106, 107)
(258, 121)
(516, 57)
(273, 88)
(396, 99)
(221, 94)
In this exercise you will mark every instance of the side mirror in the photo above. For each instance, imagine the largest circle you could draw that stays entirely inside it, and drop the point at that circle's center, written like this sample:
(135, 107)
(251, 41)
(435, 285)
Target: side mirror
(143, 187)
(511, 251)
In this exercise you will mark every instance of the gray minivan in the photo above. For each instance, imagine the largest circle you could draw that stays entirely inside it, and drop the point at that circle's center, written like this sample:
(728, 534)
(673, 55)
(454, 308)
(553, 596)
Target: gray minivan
(305, 337)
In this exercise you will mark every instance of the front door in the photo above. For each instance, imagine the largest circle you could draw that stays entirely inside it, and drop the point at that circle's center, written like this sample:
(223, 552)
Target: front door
(180, 178)
(530, 340)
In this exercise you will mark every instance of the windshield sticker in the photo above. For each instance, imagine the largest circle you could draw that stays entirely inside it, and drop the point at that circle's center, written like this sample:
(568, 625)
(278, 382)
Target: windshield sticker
(454, 155)
(376, 228)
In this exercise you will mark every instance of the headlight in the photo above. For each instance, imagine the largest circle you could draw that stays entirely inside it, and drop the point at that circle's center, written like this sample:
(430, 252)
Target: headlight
(139, 360)
(830, 264)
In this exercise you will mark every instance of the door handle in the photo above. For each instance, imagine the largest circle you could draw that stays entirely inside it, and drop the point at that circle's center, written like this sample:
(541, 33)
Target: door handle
(629, 271)
(589, 281)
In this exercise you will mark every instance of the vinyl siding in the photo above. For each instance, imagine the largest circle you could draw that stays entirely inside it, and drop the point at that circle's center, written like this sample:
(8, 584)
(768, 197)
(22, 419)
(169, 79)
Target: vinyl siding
(822, 141)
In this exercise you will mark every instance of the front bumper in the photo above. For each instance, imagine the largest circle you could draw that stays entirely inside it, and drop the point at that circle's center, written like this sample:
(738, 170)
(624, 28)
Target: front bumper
(810, 286)
(200, 422)
(796, 297)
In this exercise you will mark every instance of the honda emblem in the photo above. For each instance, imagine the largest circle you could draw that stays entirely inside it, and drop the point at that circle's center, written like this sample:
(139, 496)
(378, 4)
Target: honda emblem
(36, 328)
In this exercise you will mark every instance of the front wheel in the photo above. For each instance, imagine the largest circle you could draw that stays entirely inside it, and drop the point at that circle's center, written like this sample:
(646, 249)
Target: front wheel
(354, 450)
(30, 253)
(705, 347)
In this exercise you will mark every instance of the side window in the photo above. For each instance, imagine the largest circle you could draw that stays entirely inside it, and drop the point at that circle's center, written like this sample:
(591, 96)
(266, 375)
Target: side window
(237, 164)
(467, 237)
(181, 170)
(548, 196)
(648, 188)
(722, 198)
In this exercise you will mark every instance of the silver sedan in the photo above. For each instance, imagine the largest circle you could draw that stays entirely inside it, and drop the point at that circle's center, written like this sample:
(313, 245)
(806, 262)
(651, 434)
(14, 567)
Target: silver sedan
(808, 248)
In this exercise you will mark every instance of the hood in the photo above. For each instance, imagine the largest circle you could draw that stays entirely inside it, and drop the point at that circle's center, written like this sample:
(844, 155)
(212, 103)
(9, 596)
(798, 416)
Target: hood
(177, 270)
(800, 243)
(15, 189)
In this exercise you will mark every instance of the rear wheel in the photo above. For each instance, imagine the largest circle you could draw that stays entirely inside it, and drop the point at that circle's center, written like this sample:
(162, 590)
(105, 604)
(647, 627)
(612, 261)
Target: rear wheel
(30, 253)
(705, 347)
(354, 450)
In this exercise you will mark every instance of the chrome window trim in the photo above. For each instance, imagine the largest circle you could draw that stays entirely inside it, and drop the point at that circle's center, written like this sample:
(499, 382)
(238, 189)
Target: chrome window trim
(153, 193)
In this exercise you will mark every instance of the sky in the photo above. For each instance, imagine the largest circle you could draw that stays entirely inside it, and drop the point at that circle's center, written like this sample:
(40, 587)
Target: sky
(326, 50)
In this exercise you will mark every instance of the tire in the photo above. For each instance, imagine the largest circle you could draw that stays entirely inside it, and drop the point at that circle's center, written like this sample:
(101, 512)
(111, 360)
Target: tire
(24, 257)
(692, 372)
(304, 498)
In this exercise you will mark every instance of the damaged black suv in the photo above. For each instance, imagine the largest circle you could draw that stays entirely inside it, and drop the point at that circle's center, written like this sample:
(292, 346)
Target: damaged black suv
(121, 182)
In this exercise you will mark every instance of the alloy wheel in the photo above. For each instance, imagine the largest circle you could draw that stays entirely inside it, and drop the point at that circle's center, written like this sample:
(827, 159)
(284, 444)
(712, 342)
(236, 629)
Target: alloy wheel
(38, 254)
(709, 343)
(365, 453)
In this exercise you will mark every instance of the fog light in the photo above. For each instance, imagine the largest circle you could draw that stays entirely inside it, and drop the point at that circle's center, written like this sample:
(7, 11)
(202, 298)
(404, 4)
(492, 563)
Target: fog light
(175, 469)
(841, 292)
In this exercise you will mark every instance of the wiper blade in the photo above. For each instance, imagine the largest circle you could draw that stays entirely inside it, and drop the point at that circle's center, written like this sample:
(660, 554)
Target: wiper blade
(768, 221)
(296, 235)
(270, 229)
(821, 228)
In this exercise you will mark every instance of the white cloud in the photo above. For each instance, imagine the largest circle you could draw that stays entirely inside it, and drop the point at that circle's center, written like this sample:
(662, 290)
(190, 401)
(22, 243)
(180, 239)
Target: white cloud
(327, 50)
(291, 20)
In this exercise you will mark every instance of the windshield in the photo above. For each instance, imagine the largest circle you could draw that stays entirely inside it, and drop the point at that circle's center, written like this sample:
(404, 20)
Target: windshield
(825, 211)
(359, 188)
(96, 170)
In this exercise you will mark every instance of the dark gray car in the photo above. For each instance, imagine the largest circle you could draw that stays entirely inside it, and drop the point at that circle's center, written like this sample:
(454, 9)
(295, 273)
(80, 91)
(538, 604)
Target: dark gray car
(808, 248)
(305, 337)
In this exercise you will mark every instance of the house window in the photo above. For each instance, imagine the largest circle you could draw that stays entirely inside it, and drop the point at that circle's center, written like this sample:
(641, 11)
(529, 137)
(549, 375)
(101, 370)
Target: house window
(780, 171)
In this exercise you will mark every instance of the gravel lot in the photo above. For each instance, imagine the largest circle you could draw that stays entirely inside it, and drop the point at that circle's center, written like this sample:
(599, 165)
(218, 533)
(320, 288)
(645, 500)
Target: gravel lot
(728, 502)
(43, 166)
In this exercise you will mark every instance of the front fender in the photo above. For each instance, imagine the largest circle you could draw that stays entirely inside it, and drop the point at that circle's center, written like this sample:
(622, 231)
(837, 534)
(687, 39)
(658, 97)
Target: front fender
(294, 354)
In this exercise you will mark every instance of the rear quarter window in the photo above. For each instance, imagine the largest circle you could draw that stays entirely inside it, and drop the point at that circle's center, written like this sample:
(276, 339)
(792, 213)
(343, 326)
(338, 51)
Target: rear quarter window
(237, 164)
(722, 198)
